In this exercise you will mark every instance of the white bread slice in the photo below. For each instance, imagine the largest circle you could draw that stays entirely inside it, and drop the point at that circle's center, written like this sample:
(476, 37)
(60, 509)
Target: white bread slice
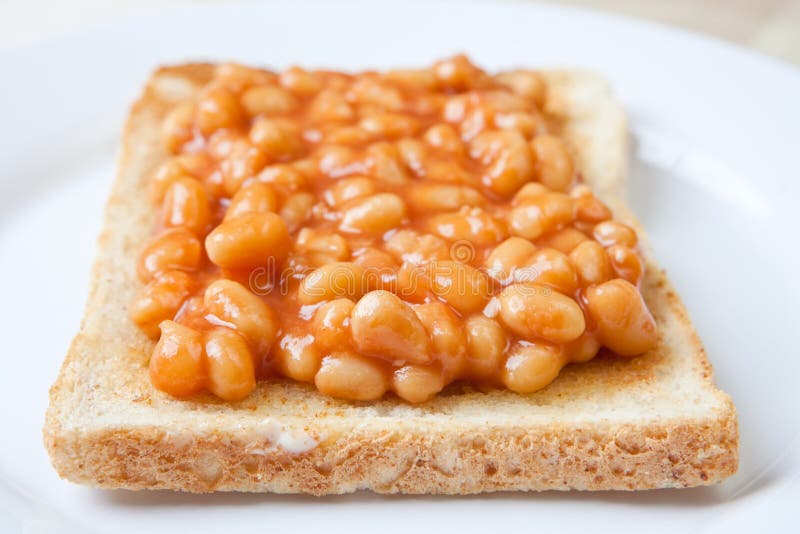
(649, 422)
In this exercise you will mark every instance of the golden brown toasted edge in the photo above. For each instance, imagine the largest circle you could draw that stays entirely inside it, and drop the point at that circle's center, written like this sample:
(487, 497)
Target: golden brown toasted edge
(404, 455)
(445, 461)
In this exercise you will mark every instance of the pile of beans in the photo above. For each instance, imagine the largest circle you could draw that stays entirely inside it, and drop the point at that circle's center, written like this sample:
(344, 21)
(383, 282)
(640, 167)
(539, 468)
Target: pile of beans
(378, 232)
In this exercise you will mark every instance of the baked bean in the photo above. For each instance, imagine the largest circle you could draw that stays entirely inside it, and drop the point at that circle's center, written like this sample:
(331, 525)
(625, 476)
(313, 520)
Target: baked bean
(231, 374)
(337, 161)
(591, 263)
(331, 324)
(554, 167)
(486, 345)
(412, 78)
(508, 257)
(626, 263)
(346, 135)
(366, 109)
(416, 383)
(584, 227)
(428, 105)
(448, 340)
(181, 166)
(268, 100)
(508, 160)
(306, 166)
(197, 164)
(435, 197)
(374, 214)
(372, 92)
(248, 241)
(542, 214)
(376, 260)
(177, 365)
(193, 314)
(176, 249)
(580, 190)
(463, 287)
(334, 280)
(234, 304)
(456, 73)
(456, 108)
(338, 81)
(437, 170)
(525, 83)
(297, 209)
(216, 109)
(588, 207)
(536, 311)
(347, 189)
(412, 247)
(583, 349)
(347, 375)
(498, 100)
(564, 240)
(330, 106)
(501, 101)
(528, 124)
(163, 178)
(239, 77)
(551, 268)
(389, 125)
(614, 233)
(278, 139)
(445, 137)
(297, 357)
(532, 366)
(380, 269)
(220, 144)
(444, 330)
(477, 120)
(160, 300)
(413, 283)
(177, 128)
(284, 178)
(385, 327)
(186, 206)
(528, 193)
(254, 197)
(244, 161)
(468, 224)
(300, 82)
(624, 323)
(385, 164)
(414, 154)
(321, 247)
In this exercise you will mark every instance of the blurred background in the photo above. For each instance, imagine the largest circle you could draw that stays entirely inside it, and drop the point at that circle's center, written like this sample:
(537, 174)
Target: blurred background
(770, 26)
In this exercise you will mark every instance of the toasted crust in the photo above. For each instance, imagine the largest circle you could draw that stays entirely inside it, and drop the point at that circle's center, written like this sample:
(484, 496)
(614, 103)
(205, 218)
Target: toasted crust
(650, 422)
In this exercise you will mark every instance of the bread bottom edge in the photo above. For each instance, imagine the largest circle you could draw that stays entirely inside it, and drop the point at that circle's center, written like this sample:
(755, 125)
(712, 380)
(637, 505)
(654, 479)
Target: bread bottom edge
(627, 457)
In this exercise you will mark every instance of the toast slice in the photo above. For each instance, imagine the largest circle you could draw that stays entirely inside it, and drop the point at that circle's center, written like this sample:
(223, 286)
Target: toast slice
(653, 421)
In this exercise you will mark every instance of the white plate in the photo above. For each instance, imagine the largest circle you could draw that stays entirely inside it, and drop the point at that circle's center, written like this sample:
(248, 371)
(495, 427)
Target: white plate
(714, 180)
